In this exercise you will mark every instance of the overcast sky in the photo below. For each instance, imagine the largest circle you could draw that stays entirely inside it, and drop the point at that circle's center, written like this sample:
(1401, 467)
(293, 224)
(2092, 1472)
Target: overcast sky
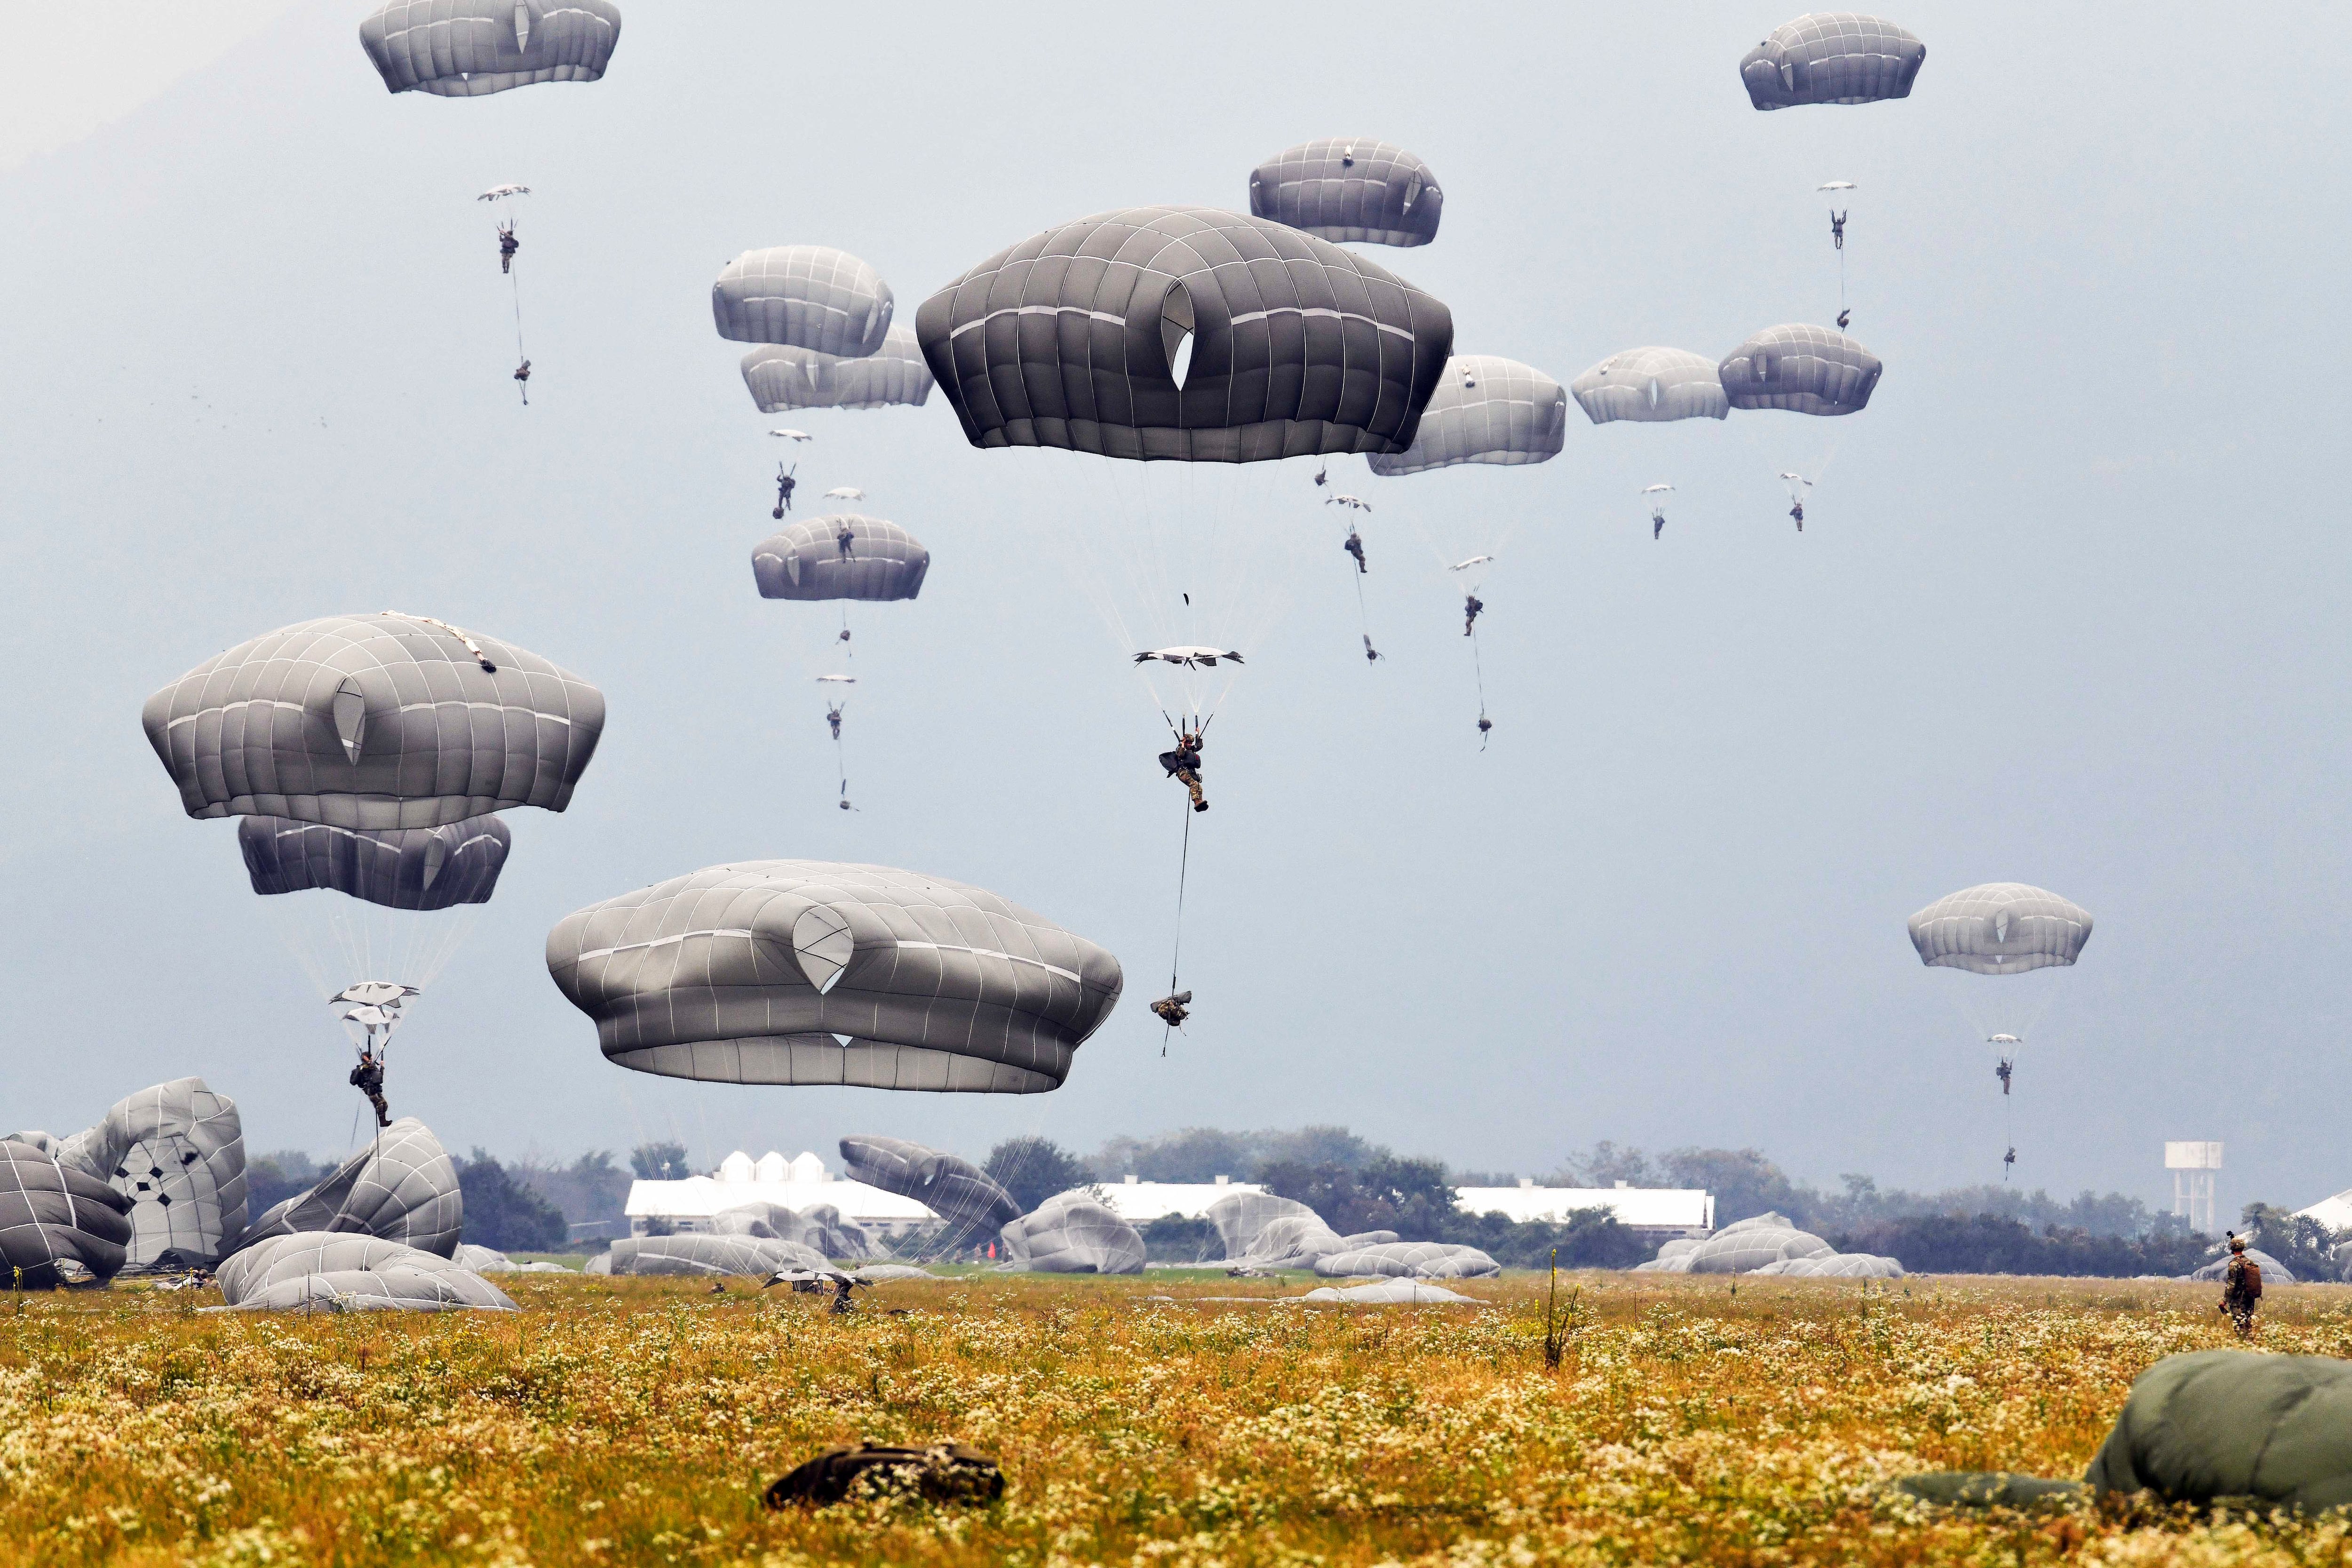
(2067, 608)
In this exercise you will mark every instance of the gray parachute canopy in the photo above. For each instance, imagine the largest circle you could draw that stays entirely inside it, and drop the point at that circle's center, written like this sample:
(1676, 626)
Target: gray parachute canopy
(1349, 188)
(1071, 339)
(463, 48)
(952, 1187)
(1408, 1260)
(1999, 928)
(176, 1151)
(811, 971)
(809, 561)
(821, 1229)
(703, 1253)
(1239, 1217)
(60, 1225)
(352, 1274)
(804, 297)
(1832, 56)
(2234, 1424)
(402, 1187)
(401, 867)
(374, 722)
(1805, 369)
(1651, 385)
(782, 377)
(1486, 409)
(1072, 1233)
(1751, 1244)
(1294, 1242)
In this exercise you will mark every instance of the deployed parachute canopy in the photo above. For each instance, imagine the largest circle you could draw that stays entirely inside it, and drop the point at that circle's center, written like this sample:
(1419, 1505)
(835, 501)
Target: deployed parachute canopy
(465, 48)
(1651, 385)
(1832, 56)
(374, 722)
(808, 297)
(1805, 369)
(1071, 1233)
(403, 869)
(402, 1187)
(809, 972)
(176, 1152)
(60, 1225)
(1999, 928)
(781, 377)
(1349, 188)
(1486, 409)
(809, 561)
(950, 1186)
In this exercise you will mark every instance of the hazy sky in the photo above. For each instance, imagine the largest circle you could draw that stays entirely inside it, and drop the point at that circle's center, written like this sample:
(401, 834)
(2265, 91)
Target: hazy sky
(2066, 609)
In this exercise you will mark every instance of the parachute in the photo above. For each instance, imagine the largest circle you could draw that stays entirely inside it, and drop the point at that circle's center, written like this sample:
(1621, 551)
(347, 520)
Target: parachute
(1832, 56)
(1071, 1233)
(1801, 369)
(421, 868)
(466, 48)
(808, 297)
(1408, 1260)
(1486, 409)
(804, 971)
(176, 1152)
(2260, 1429)
(709, 1254)
(781, 377)
(402, 1187)
(1651, 386)
(352, 1274)
(1349, 189)
(60, 1225)
(950, 1186)
(809, 561)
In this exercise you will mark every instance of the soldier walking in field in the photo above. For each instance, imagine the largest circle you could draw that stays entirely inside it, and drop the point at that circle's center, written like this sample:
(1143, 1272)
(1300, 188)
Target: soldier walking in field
(2242, 1287)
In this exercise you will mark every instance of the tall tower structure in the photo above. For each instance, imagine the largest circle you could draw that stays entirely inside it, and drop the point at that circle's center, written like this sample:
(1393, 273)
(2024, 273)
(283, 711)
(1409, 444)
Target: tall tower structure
(2192, 1166)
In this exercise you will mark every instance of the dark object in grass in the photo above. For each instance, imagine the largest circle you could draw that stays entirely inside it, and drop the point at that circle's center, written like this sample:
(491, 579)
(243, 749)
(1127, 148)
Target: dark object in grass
(2215, 1424)
(944, 1472)
(1986, 1488)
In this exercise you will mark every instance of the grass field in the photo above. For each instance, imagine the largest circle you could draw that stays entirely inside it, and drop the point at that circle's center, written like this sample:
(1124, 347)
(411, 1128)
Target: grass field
(636, 1421)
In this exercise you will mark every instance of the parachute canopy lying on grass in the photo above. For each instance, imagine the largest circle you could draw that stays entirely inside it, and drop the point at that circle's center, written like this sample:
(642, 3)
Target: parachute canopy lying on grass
(1835, 1266)
(1390, 1293)
(950, 1186)
(1293, 1242)
(1486, 409)
(1832, 56)
(1651, 385)
(1349, 188)
(1072, 338)
(1408, 1260)
(804, 297)
(399, 868)
(1999, 928)
(402, 1187)
(465, 48)
(58, 1224)
(1240, 1217)
(1800, 369)
(811, 971)
(351, 1274)
(176, 1151)
(701, 1253)
(782, 377)
(809, 561)
(374, 722)
(1071, 1233)
(1751, 1244)
(2234, 1424)
(821, 1229)
(491, 1261)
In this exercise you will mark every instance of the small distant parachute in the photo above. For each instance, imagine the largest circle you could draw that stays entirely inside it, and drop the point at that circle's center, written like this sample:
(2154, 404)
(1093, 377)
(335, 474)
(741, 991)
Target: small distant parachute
(1468, 561)
(1801, 369)
(791, 435)
(500, 193)
(804, 971)
(809, 561)
(1349, 189)
(1832, 56)
(402, 869)
(844, 492)
(1486, 409)
(1353, 503)
(837, 679)
(402, 1187)
(780, 376)
(804, 297)
(1651, 385)
(1837, 185)
(58, 1224)
(467, 48)
(1190, 658)
(1999, 928)
(950, 1186)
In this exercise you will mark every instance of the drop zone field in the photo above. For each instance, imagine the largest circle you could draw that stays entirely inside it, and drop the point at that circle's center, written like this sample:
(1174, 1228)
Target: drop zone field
(1137, 1422)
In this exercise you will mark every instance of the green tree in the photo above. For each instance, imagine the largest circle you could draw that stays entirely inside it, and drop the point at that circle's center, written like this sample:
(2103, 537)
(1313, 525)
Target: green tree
(501, 1212)
(659, 1161)
(1034, 1169)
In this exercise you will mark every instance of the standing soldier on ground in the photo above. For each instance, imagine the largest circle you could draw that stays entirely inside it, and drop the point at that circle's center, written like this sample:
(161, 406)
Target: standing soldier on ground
(2242, 1289)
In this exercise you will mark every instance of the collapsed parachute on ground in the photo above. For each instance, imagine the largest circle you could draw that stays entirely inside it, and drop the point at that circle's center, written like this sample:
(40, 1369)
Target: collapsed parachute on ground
(374, 722)
(955, 1189)
(1835, 1266)
(804, 297)
(1293, 1242)
(809, 561)
(1071, 1233)
(1751, 1244)
(1390, 1293)
(2214, 1273)
(700, 1253)
(1486, 409)
(1651, 385)
(1408, 1260)
(465, 48)
(1240, 1217)
(1349, 188)
(60, 1225)
(809, 972)
(402, 1187)
(1999, 928)
(1832, 56)
(351, 1274)
(491, 1261)
(1073, 338)
(176, 1151)
(781, 377)
(820, 1229)
(419, 868)
(2211, 1425)
(1800, 369)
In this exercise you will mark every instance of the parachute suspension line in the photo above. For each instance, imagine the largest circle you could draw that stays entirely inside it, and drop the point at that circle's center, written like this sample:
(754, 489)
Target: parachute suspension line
(1176, 952)
(1478, 672)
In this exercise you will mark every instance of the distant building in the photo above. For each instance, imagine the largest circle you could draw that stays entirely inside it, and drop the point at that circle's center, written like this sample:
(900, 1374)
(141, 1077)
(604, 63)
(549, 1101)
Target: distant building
(798, 1184)
(2192, 1165)
(1140, 1203)
(1655, 1214)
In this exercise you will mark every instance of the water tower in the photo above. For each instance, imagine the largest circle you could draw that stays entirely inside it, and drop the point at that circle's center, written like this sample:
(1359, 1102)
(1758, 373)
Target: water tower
(2192, 1166)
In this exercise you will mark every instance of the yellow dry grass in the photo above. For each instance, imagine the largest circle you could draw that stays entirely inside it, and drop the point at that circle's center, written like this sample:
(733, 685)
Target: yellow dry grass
(636, 1421)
